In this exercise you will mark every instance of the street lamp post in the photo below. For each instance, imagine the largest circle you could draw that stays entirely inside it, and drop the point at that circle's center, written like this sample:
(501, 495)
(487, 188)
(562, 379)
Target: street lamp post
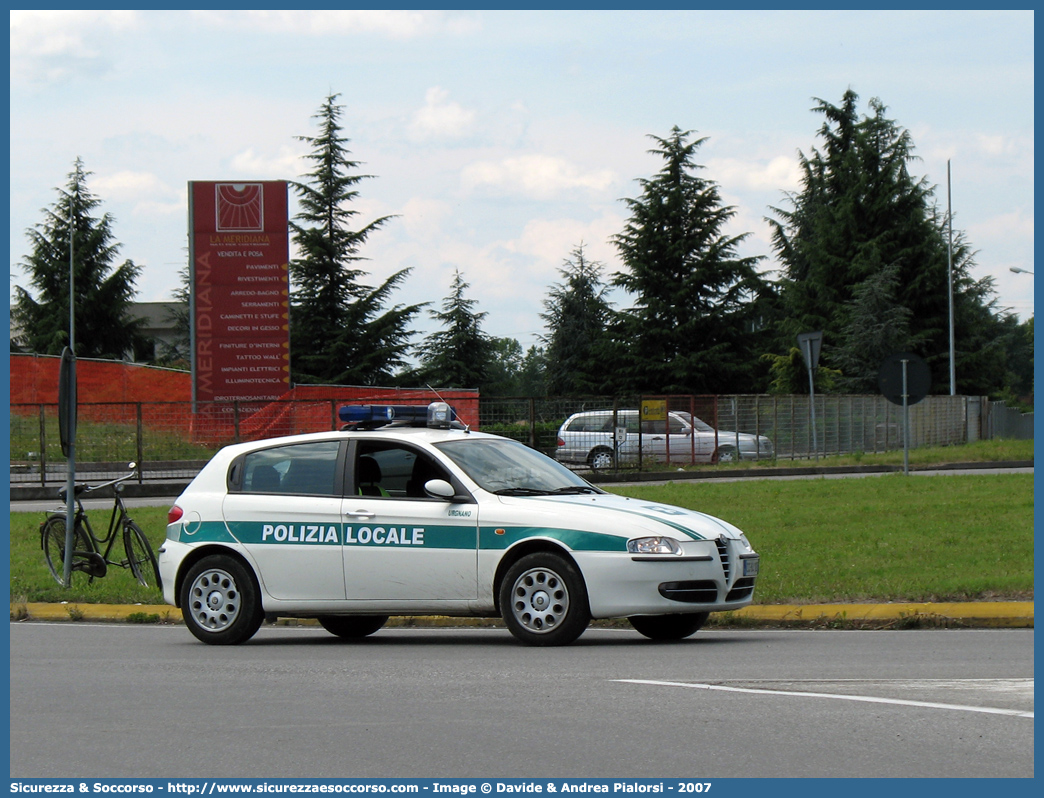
(1017, 270)
(949, 272)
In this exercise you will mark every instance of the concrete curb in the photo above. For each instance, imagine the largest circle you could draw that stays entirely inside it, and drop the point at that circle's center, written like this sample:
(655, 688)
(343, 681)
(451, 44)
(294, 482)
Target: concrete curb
(973, 613)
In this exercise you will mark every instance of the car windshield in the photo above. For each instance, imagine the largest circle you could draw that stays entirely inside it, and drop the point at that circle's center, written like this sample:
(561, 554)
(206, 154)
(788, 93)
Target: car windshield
(509, 468)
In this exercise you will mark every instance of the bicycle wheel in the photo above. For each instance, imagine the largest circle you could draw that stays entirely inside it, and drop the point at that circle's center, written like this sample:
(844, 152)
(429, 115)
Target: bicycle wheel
(52, 539)
(140, 558)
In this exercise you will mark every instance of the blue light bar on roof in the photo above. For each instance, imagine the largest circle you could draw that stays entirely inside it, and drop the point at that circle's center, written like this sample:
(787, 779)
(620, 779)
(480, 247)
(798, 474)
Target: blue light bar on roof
(436, 414)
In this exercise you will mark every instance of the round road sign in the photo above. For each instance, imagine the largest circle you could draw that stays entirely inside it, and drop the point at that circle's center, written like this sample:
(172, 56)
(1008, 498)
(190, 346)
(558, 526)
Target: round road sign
(918, 378)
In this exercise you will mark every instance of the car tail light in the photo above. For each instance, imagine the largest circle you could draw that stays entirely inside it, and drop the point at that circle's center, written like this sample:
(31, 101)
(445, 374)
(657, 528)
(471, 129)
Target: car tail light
(561, 442)
(174, 514)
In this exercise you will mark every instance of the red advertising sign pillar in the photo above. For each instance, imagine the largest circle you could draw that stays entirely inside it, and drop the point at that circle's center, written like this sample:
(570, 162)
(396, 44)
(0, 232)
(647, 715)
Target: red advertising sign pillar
(239, 248)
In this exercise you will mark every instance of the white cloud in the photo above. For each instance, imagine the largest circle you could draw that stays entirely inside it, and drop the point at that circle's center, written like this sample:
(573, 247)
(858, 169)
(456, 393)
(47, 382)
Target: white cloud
(552, 241)
(996, 145)
(395, 24)
(536, 176)
(440, 118)
(733, 174)
(423, 218)
(155, 208)
(130, 186)
(1008, 226)
(251, 164)
(50, 46)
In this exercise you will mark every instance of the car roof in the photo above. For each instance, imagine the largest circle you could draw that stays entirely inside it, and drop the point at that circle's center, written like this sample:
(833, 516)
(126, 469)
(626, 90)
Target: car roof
(393, 432)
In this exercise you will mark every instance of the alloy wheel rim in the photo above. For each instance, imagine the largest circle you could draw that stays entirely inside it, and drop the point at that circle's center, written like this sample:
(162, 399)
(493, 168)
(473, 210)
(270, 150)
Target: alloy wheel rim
(539, 600)
(214, 600)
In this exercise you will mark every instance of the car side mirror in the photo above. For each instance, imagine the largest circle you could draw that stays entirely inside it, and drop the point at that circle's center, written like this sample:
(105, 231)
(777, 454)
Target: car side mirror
(439, 489)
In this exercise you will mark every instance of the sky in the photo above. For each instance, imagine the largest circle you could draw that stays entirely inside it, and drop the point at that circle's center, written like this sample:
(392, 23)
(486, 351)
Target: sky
(502, 140)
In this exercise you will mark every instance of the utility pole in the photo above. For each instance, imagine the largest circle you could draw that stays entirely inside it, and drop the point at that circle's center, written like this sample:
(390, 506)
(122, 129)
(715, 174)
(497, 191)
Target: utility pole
(69, 411)
(949, 253)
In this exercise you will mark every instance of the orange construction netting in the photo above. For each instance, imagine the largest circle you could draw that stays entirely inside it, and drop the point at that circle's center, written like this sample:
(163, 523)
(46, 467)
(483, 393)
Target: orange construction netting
(34, 380)
(118, 392)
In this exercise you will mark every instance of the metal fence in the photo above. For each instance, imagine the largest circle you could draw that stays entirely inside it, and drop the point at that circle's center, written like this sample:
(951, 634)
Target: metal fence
(1008, 422)
(170, 441)
(843, 424)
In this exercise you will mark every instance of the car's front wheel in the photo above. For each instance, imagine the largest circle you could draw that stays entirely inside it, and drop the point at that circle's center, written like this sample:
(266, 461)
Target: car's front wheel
(220, 601)
(352, 627)
(669, 627)
(543, 600)
(726, 454)
(601, 459)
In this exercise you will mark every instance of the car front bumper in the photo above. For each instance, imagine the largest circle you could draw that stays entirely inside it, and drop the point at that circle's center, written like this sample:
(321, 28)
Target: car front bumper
(620, 585)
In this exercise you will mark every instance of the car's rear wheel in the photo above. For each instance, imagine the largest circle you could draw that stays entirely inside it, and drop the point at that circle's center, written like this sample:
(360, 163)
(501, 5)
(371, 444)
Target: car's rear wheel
(669, 627)
(220, 601)
(601, 459)
(352, 627)
(543, 600)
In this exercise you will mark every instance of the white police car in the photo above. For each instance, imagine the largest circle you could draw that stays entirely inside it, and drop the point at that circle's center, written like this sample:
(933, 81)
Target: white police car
(406, 512)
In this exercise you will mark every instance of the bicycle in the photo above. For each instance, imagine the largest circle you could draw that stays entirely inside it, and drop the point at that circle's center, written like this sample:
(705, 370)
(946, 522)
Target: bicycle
(87, 554)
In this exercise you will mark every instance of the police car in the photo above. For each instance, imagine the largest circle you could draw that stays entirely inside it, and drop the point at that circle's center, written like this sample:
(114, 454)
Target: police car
(407, 512)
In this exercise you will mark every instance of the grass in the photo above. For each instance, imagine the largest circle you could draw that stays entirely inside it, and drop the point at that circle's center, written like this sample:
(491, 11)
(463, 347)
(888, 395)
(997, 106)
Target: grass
(991, 451)
(885, 538)
(100, 442)
(31, 581)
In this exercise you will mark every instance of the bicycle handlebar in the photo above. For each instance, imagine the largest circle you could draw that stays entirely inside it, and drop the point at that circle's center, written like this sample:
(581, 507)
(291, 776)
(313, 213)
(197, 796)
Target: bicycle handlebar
(83, 487)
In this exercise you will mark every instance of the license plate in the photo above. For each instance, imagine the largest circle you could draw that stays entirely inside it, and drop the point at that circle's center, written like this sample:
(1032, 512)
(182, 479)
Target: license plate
(750, 566)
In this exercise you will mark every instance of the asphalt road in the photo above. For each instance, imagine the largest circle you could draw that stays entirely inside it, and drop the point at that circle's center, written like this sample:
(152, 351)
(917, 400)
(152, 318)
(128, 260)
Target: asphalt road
(149, 701)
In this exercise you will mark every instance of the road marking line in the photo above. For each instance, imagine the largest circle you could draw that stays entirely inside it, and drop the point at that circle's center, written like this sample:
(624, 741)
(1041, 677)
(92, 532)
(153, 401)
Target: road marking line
(864, 698)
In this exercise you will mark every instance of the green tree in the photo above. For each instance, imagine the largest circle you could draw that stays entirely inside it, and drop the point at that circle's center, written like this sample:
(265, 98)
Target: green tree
(694, 325)
(877, 327)
(788, 374)
(863, 231)
(341, 331)
(577, 314)
(503, 368)
(458, 355)
(532, 374)
(103, 291)
(514, 372)
(177, 352)
(1020, 356)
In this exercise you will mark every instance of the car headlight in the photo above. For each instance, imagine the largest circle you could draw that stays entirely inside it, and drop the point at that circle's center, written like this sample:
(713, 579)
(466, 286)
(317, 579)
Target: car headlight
(654, 545)
(746, 543)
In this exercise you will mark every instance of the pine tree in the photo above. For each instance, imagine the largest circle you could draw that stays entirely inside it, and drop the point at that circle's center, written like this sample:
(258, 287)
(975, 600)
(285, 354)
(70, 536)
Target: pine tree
(103, 291)
(860, 213)
(693, 328)
(177, 352)
(341, 331)
(532, 373)
(877, 327)
(459, 355)
(577, 315)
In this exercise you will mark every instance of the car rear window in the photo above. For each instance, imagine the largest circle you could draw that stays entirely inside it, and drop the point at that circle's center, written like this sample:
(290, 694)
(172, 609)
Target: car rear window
(304, 468)
(599, 423)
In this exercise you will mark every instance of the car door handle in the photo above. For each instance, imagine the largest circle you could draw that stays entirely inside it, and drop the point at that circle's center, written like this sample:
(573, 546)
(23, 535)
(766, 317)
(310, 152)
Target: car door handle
(360, 513)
